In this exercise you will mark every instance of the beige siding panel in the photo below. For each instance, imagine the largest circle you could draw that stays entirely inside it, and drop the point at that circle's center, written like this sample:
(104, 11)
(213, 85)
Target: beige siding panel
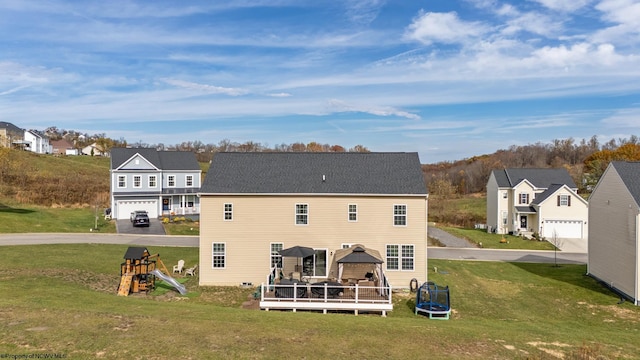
(261, 220)
(493, 203)
(613, 234)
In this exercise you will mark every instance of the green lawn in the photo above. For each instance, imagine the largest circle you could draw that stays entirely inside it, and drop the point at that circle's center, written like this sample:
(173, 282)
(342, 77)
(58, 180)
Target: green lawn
(182, 228)
(61, 299)
(20, 218)
(493, 241)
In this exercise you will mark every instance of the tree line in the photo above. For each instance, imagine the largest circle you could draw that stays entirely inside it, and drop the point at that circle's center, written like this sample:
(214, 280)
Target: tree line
(585, 160)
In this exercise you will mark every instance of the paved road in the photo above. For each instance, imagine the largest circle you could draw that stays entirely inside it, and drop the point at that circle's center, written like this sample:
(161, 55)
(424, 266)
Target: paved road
(193, 241)
(126, 239)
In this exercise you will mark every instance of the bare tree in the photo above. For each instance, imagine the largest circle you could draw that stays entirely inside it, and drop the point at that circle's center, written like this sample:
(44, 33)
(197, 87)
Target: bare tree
(557, 243)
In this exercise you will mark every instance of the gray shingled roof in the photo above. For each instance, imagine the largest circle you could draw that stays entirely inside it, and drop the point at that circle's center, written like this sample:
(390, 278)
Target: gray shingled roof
(540, 178)
(545, 194)
(302, 173)
(10, 127)
(629, 172)
(164, 160)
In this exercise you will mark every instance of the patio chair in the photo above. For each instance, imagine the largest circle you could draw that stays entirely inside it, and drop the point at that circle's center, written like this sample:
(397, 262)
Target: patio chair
(178, 268)
(192, 270)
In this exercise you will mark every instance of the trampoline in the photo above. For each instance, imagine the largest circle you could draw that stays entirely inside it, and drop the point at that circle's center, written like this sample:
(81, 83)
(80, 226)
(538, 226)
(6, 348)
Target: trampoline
(433, 300)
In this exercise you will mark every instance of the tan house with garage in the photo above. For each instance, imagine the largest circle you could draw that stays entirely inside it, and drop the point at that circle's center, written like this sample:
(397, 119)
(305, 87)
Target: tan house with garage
(542, 201)
(253, 205)
(614, 229)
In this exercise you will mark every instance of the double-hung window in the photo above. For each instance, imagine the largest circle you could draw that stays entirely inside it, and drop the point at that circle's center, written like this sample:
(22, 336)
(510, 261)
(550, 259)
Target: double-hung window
(400, 257)
(302, 214)
(122, 181)
(276, 258)
(153, 181)
(219, 255)
(189, 180)
(524, 198)
(137, 181)
(399, 215)
(564, 200)
(171, 181)
(228, 212)
(352, 212)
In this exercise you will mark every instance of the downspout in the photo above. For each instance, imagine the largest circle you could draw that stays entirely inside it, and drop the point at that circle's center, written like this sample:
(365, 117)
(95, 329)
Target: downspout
(635, 301)
(426, 238)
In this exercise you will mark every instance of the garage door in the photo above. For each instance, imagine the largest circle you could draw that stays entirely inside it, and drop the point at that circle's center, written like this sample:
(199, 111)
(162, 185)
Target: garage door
(567, 229)
(126, 207)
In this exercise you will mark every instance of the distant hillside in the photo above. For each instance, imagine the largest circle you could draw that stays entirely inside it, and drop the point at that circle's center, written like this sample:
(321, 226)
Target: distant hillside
(47, 180)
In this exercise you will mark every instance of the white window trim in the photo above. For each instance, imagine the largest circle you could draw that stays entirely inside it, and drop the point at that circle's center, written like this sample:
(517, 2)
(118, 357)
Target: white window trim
(186, 181)
(326, 265)
(400, 257)
(214, 254)
(526, 198)
(224, 212)
(406, 213)
(386, 256)
(272, 255)
(349, 212)
(169, 180)
(346, 245)
(295, 217)
(125, 181)
(564, 200)
(155, 180)
(139, 181)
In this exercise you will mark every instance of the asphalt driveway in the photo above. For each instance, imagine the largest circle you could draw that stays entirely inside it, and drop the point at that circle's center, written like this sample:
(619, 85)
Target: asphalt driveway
(126, 227)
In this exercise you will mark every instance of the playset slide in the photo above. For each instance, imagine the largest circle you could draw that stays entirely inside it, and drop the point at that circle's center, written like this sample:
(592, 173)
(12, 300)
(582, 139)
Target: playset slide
(181, 288)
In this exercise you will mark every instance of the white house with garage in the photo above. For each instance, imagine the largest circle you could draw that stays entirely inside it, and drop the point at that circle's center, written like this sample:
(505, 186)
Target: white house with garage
(542, 201)
(38, 142)
(164, 183)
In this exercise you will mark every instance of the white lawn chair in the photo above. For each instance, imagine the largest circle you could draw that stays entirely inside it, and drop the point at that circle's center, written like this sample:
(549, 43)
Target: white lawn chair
(178, 268)
(192, 270)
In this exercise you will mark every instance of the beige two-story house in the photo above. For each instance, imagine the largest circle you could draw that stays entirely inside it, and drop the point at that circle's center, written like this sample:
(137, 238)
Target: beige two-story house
(542, 201)
(253, 205)
(614, 229)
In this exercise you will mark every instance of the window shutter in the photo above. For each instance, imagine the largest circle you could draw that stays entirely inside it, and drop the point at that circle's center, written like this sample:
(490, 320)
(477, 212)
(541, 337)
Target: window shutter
(558, 200)
(568, 200)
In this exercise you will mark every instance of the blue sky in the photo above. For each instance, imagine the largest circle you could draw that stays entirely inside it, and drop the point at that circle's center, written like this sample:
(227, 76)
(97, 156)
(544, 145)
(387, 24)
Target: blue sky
(448, 79)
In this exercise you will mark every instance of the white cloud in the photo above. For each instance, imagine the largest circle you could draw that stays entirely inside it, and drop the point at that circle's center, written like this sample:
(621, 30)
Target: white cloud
(363, 11)
(624, 118)
(336, 105)
(564, 5)
(281, 94)
(210, 89)
(430, 27)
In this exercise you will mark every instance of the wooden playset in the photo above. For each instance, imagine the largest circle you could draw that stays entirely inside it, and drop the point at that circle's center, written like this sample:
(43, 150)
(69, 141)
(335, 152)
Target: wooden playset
(136, 271)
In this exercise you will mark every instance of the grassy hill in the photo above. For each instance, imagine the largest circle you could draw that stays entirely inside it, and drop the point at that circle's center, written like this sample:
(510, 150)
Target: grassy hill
(47, 180)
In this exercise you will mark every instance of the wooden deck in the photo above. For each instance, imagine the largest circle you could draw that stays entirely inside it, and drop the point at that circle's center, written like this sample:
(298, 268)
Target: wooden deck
(326, 297)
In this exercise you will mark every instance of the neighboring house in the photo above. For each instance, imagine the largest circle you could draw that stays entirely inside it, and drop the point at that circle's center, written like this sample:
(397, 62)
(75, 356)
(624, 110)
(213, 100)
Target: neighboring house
(542, 201)
(11, 135)
(256, 204)
(63, 147)
(87, 150)
(614, 229)
(38, 142)
(164, 183)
